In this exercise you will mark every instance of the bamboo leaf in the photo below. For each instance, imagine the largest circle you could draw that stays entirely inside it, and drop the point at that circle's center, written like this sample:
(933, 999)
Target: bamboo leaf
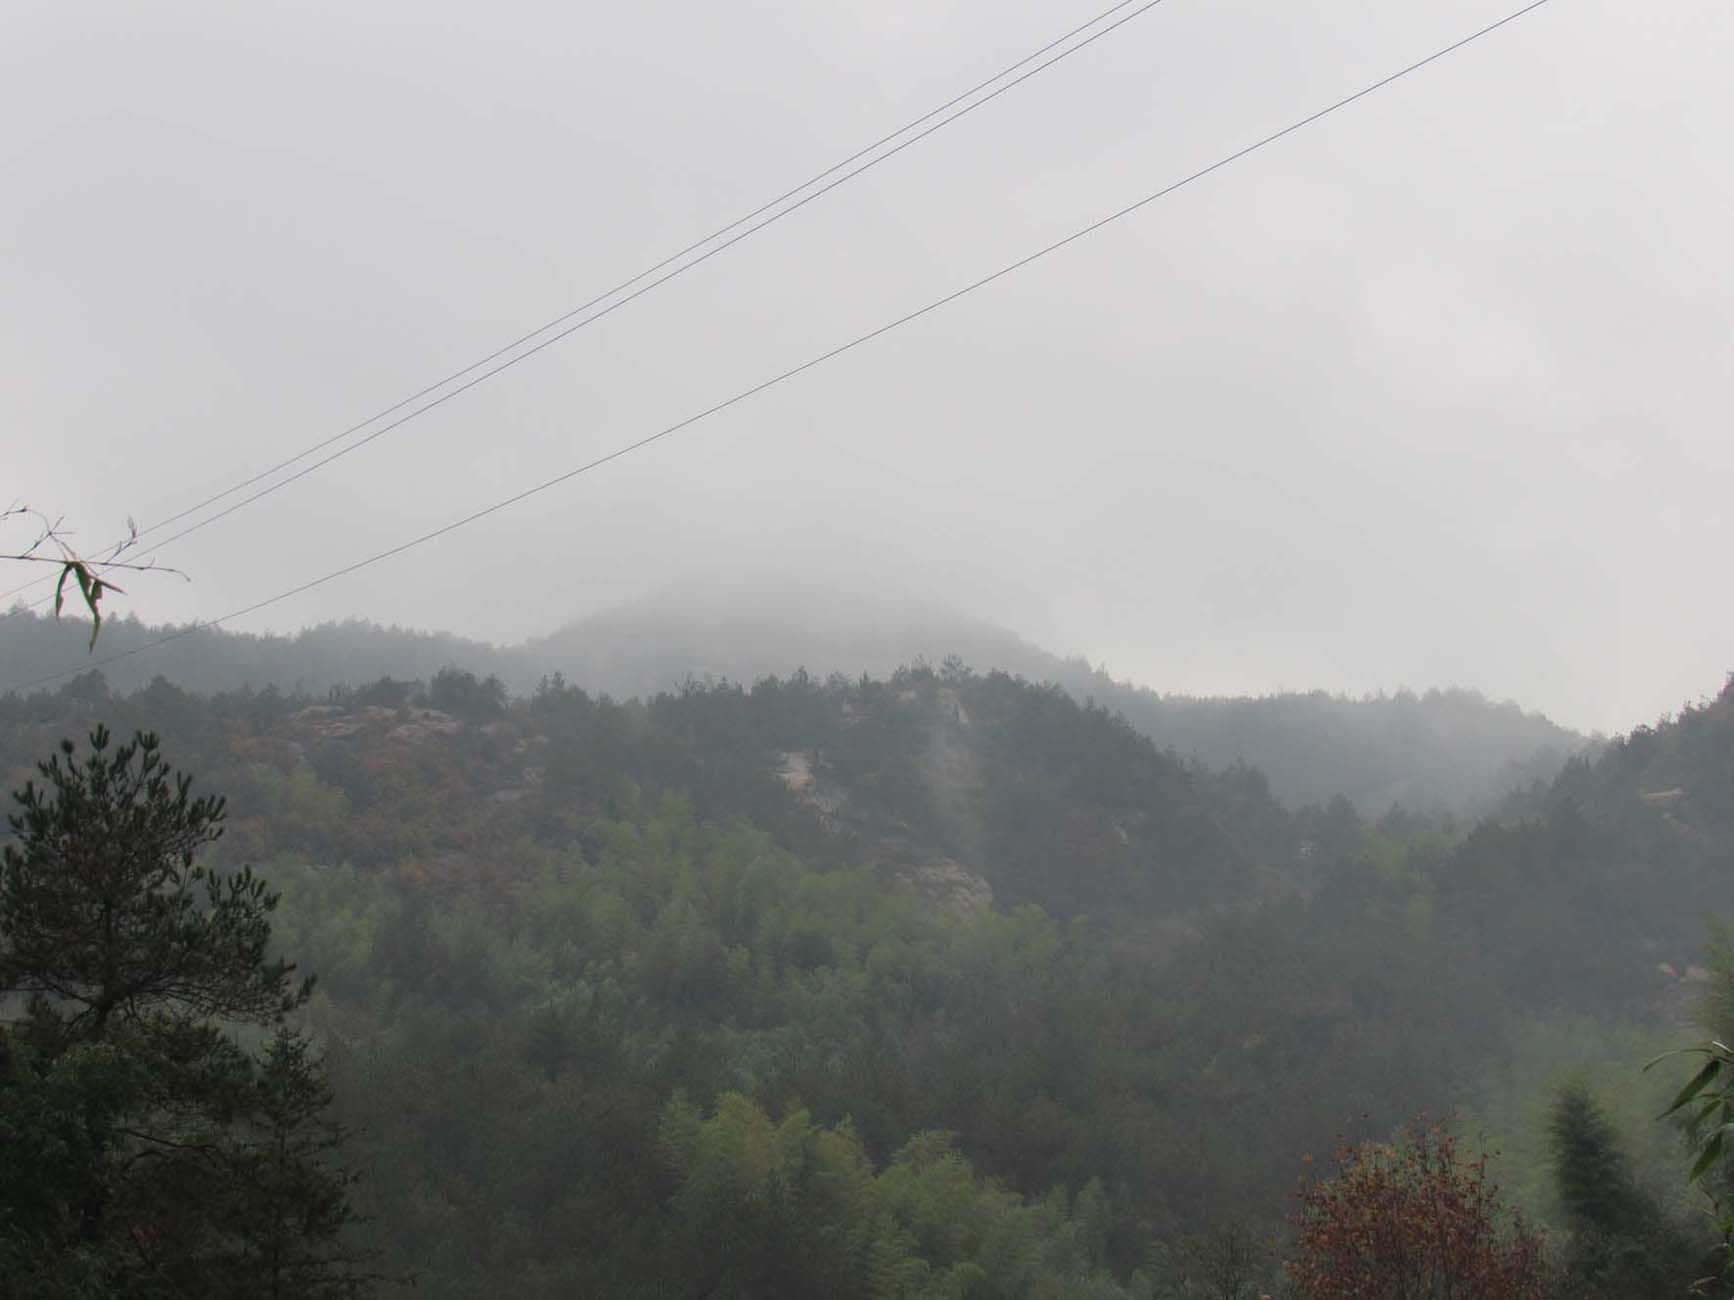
(1694, 1086)
(1712, 1150)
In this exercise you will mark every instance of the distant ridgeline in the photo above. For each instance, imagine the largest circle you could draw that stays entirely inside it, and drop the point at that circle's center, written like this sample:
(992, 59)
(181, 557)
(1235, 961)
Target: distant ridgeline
(1441, 751)
(310, 662)
(797, 988)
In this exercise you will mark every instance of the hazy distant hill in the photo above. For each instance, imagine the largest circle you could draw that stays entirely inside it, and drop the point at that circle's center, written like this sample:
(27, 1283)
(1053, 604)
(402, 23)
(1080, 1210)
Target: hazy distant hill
(1444, 749)
(632, 651)
(1450, 749)
(657, 645)
(312, 661)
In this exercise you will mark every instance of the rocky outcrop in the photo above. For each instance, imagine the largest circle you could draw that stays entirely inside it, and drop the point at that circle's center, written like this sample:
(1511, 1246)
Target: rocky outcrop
(406, 726)
(795, 770)
(950, 888)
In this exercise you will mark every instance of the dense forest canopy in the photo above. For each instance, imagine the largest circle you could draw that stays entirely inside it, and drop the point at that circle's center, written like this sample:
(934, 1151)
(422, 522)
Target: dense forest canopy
(937, 983)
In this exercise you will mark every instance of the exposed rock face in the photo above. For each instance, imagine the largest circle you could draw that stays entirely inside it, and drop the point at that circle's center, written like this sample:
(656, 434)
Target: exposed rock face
(795, 768)
(951, 888)
(424, 724)
(329, 722)
(951, 765)
(406, 726)
(945, 884)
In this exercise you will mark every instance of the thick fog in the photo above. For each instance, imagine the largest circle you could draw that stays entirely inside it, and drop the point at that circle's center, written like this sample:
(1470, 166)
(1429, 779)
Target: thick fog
(1434, 391)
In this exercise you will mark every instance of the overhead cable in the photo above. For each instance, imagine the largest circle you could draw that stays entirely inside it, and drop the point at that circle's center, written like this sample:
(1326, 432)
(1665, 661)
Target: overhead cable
(809, 364)
(775, 207)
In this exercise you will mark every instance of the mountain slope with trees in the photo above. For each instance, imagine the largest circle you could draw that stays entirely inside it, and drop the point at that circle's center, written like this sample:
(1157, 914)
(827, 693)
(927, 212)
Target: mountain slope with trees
(593, 973)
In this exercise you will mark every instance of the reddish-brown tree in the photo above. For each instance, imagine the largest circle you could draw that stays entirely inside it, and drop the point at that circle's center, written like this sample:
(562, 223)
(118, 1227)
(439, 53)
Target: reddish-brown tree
(1412, 1220)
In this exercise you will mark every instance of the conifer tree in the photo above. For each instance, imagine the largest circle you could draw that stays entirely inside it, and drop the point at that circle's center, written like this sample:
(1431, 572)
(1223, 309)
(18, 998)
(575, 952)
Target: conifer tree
(1622, 1244)
(144, 1149)
(1591, 1175)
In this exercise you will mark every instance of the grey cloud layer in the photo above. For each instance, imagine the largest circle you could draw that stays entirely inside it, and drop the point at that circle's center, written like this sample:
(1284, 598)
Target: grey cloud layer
(1435, 393)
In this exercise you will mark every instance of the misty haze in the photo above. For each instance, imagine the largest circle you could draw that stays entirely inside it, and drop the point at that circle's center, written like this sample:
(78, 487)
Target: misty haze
(887, 651)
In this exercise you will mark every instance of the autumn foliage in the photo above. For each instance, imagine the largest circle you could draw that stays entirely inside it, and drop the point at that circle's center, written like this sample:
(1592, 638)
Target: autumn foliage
(1412, 1218)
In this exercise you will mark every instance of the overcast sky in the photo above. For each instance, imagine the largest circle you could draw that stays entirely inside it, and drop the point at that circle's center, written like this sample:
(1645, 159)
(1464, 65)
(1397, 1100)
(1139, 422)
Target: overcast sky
(1436, 391)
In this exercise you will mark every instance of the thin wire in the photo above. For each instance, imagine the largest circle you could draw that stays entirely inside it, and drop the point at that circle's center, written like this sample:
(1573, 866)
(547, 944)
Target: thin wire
(627, 284)
(809, 364)
(573, 328)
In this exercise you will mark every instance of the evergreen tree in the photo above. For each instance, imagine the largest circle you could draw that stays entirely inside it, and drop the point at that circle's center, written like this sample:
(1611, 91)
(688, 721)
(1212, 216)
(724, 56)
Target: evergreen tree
(1591, 1175)
(1621, 1243)
(144, 1150)
(105, 911)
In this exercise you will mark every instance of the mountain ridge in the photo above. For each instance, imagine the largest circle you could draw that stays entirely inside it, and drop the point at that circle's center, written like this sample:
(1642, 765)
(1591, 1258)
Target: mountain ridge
(1441, 750)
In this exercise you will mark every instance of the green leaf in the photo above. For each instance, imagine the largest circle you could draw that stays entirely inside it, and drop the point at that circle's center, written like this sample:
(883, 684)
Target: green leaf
(1709, 1047)
(1708, 1156)
(1694, 1086)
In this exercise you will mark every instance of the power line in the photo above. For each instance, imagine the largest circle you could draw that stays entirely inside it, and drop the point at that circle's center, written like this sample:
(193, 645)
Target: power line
(628, 283)
(577, 325)
(811, 362)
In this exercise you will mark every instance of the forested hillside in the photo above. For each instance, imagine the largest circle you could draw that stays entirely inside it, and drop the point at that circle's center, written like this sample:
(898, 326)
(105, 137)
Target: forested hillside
(935, 984)
(1439, 751)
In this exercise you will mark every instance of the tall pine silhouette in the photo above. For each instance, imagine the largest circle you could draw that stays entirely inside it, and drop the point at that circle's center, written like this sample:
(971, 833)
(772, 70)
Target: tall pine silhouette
(163, 1132)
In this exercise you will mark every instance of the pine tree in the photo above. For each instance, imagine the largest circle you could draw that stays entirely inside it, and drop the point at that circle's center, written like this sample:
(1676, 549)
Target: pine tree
(144, 1149)
(1591, 1175)
(106, 913)
(1622, 1244)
